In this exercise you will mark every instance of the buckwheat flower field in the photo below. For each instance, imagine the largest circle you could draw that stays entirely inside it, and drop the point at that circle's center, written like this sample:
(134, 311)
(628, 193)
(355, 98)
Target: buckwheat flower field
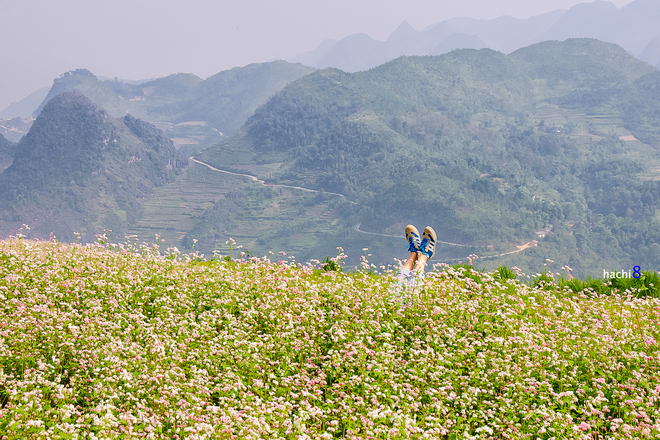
(103, 343)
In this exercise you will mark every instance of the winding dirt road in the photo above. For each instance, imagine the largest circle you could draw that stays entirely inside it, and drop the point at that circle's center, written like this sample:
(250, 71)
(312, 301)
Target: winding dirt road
(520, 248)
(255, 179)
(516, 251)
(357, 226)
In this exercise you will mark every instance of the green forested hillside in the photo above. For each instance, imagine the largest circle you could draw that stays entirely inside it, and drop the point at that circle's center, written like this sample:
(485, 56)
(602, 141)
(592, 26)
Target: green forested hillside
(192, 111)
(487, 148)
(80, 170)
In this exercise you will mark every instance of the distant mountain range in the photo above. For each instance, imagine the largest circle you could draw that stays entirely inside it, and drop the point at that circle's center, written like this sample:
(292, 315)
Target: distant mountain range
(633, 27)
(191, 111)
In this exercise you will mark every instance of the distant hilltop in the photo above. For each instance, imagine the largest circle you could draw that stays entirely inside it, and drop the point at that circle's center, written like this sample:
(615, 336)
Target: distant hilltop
(633, 27)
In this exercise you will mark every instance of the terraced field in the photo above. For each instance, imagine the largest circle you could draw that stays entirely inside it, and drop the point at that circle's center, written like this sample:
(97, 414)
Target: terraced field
(292, 220)
(174, 208)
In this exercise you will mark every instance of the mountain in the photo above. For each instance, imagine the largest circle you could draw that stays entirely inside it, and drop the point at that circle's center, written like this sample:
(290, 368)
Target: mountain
(582, 63)
(191, 111)
(505, 33)
(7, 150)
(487, 148)
(310, 57)
(583, 21)
(361, 52)
(633, 27)
(401, 39)
(80, 170)
(355, 52)
(26, 106)
(119, 98)
(636, 25)
(226, 99)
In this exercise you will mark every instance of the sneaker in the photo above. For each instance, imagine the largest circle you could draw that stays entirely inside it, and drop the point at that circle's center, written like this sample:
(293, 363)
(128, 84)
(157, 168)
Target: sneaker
(412, 237)
(427, 246)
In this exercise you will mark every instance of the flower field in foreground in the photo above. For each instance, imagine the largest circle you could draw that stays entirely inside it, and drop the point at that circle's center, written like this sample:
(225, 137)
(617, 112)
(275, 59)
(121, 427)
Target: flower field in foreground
(99, 343)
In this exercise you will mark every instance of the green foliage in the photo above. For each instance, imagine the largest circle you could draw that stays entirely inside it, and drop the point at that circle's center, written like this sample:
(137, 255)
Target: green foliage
(590, 284)
(647, 285)
(582, 63)
(642, 114)
(331, 264)
(504, 273)
(543, 281)
(83, 73)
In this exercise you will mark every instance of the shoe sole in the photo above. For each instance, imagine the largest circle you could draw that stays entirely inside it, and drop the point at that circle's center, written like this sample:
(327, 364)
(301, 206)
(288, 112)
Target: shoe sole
(432, 237)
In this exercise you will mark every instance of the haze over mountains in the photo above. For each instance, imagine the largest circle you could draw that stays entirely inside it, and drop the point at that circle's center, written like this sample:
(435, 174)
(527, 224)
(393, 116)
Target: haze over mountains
(7, 150)
(633, 27)
(488, 148)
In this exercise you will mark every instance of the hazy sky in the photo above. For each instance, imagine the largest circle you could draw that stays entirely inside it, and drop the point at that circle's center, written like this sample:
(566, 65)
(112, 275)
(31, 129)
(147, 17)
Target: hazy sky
(135, 39)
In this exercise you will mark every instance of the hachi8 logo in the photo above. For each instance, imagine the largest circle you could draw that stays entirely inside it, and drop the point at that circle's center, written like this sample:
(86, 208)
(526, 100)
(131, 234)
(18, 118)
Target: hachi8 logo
(636, 273)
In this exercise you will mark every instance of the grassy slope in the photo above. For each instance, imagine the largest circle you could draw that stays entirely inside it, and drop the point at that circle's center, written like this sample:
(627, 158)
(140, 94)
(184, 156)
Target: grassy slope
(116, 344)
